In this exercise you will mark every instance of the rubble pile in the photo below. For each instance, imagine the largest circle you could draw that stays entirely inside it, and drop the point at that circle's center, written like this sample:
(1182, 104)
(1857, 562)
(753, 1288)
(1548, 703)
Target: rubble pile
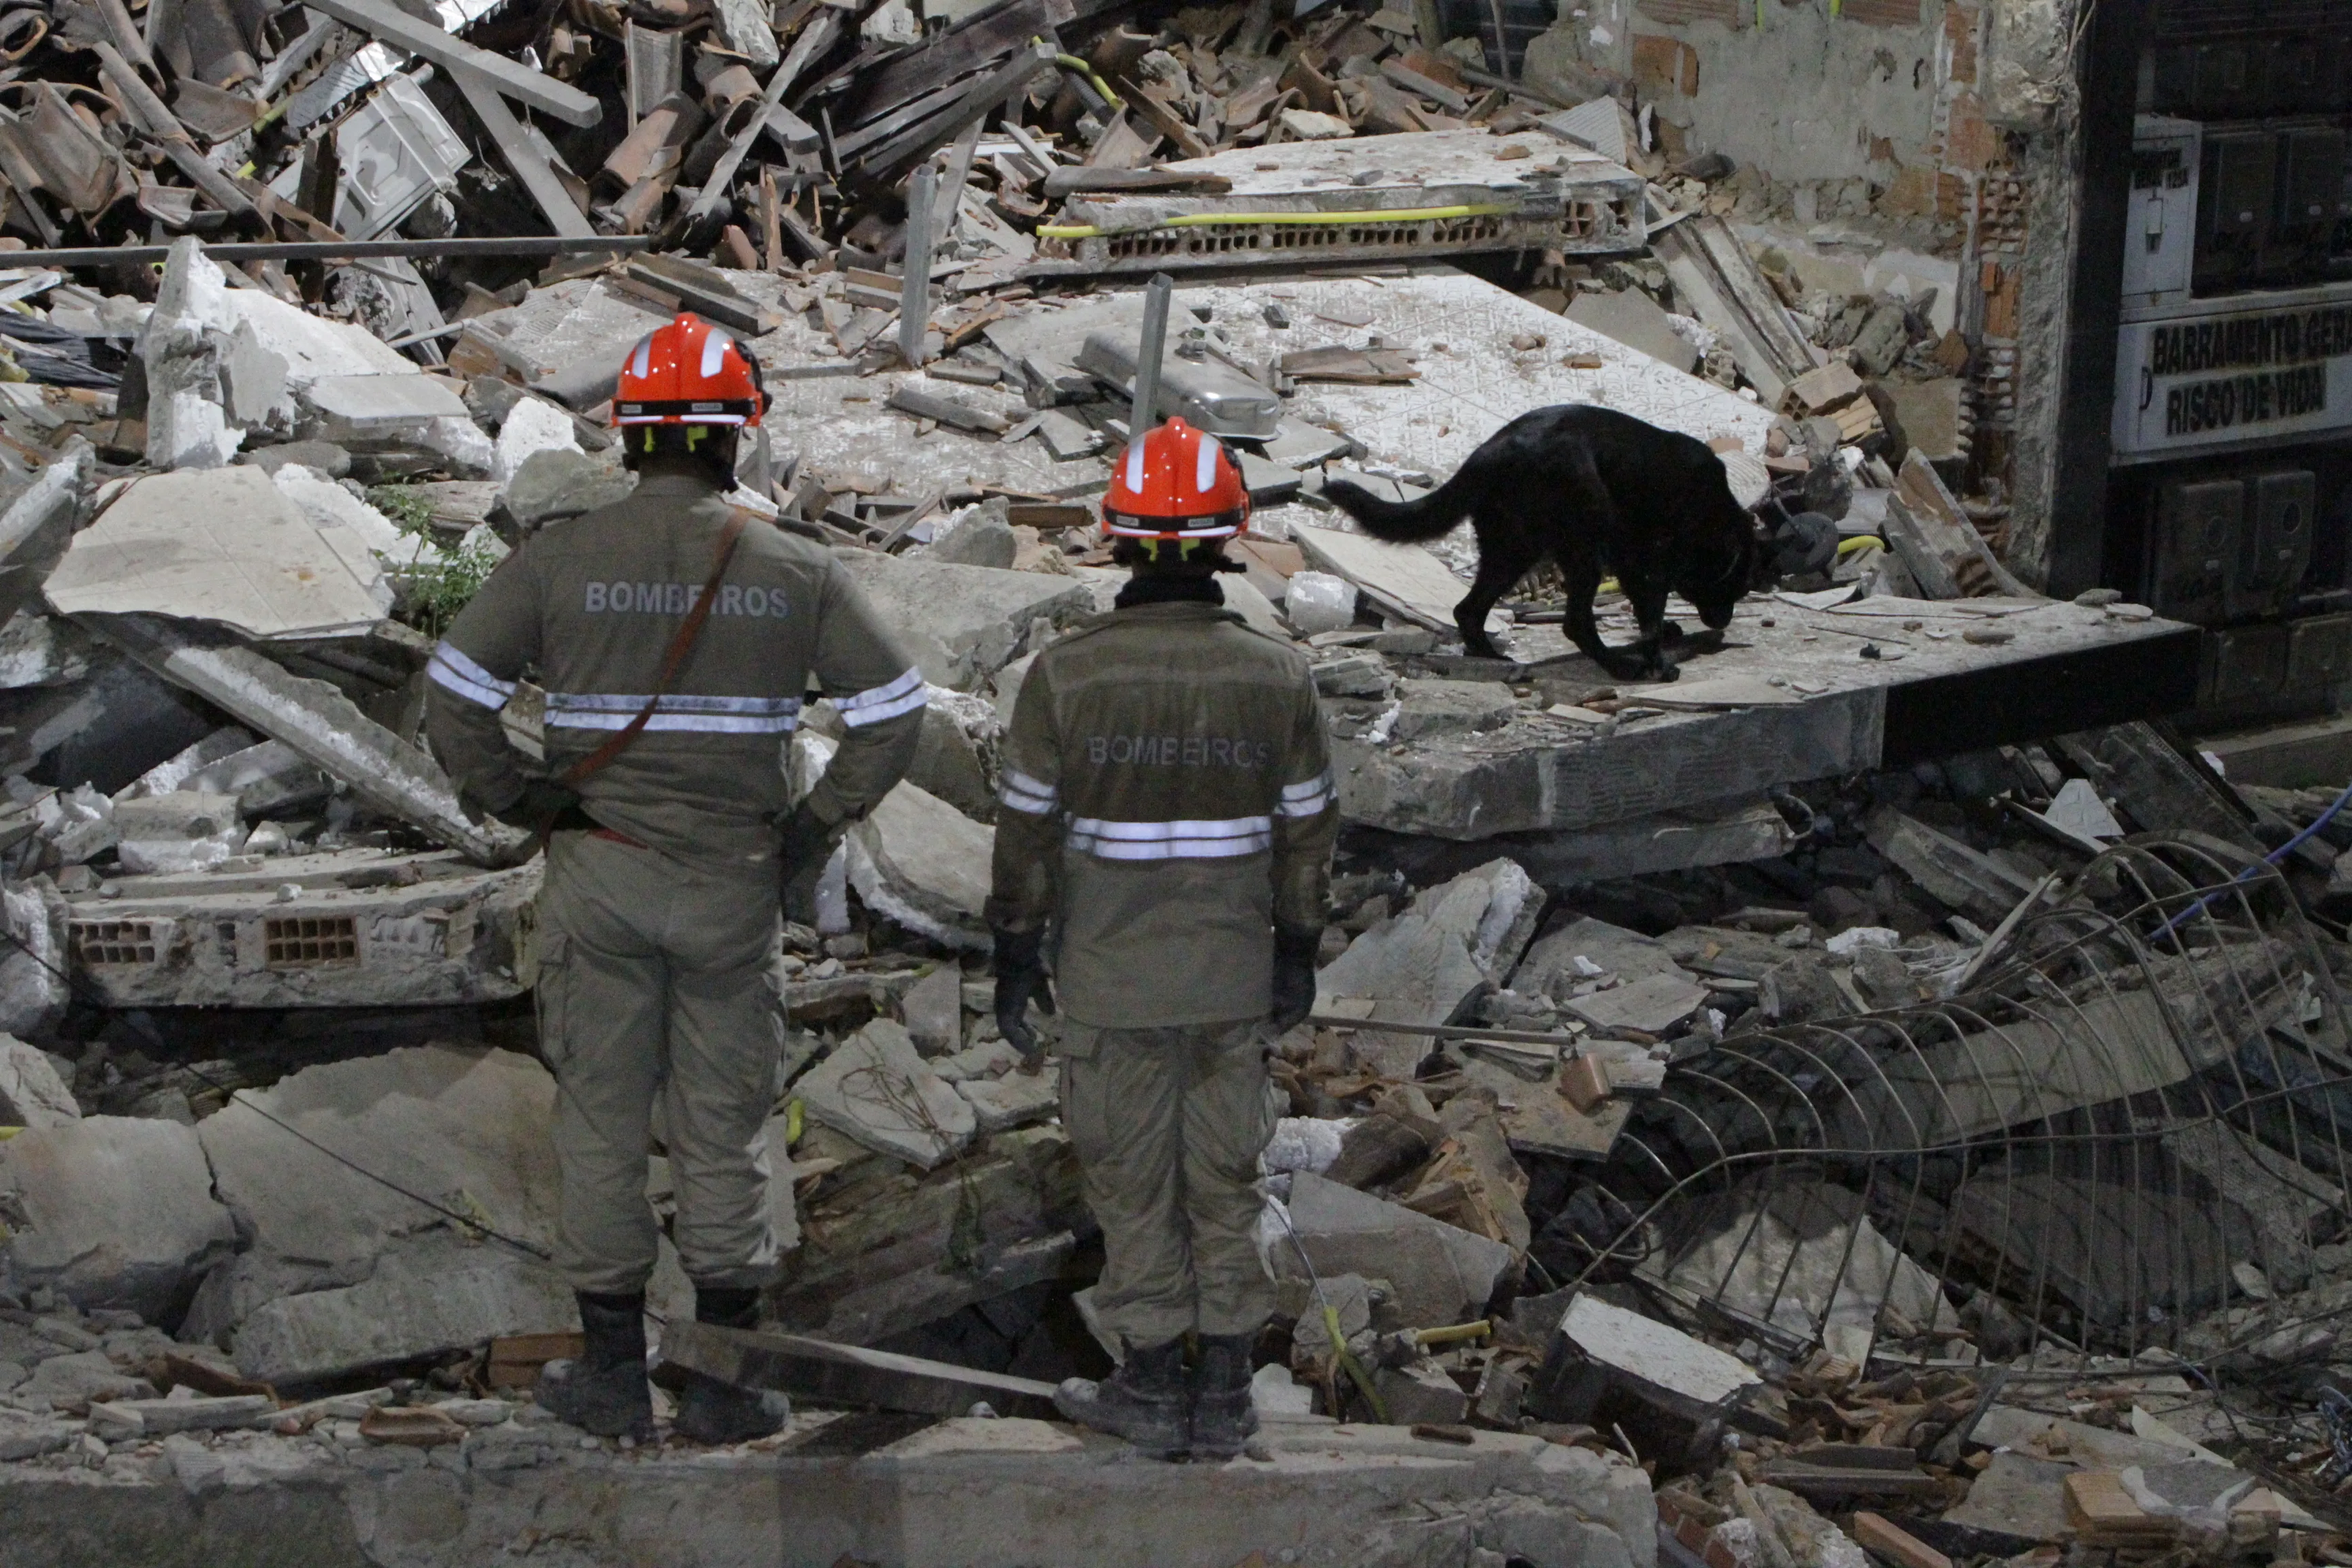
(1697, 1078)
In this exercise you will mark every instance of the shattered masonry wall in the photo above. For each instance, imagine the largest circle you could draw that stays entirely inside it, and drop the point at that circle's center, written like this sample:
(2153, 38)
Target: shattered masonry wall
(1867, 94)
(2028, 275)
(1906, 95)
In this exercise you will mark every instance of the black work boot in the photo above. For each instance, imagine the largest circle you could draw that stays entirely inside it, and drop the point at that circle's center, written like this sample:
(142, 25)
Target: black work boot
(605, 1391)
(1223, 1414)
(1142, 1402)
(716, 1411)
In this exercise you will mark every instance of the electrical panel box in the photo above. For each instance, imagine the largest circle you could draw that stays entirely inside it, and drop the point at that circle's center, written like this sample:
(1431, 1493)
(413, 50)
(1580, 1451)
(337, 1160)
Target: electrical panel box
(2309, 201)
(2276, 545)
(2160, 250)
(2319, 653)
(2298, 73)
(2198, 525)
(2294, 74)
(2236, 194)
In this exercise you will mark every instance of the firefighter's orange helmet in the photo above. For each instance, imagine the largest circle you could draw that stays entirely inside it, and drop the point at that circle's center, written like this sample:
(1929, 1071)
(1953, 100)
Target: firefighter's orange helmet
(688, 373)
(1175, 483)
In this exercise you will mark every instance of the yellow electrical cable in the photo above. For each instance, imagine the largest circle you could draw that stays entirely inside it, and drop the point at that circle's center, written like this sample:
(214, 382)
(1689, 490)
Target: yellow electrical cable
(1072, 62)
(1194, 220)
(1848, 546)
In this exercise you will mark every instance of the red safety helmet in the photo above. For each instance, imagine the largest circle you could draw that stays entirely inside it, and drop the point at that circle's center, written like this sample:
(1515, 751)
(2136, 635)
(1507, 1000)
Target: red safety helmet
(1175, 483)
(688, 373)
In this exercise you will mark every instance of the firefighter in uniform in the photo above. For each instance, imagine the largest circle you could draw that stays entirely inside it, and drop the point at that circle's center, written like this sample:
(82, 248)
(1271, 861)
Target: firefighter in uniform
(675, 636)
(1167, 834)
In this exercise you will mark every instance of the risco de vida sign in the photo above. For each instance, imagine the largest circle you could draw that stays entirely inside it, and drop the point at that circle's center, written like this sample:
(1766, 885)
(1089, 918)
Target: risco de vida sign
(2228, 379)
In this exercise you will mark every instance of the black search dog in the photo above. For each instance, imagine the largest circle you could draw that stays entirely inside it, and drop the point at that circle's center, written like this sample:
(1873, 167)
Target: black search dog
(1600, 493)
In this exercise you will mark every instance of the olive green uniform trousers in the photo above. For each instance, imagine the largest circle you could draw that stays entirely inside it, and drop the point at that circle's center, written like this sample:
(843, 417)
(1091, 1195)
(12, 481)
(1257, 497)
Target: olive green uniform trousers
(1168, 1125)
(653, 986)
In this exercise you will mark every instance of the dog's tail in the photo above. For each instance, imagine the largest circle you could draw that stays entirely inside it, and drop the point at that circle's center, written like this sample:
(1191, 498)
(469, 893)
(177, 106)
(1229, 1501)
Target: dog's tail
(1409, 521)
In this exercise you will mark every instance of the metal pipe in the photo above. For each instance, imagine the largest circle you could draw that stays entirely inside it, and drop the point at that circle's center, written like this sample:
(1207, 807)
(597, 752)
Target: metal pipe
(336, 250)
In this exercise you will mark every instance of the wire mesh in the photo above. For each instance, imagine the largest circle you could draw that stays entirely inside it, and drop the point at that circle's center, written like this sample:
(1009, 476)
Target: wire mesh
(2087, 1140)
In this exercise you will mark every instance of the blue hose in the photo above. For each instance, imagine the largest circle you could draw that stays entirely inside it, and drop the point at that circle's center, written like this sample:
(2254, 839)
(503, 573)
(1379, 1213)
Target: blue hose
(2273, 858)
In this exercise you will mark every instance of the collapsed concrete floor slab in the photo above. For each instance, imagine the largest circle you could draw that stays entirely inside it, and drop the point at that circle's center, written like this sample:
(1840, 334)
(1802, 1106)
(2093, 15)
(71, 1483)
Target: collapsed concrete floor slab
(1379, 198)
(341, 927)
(964, 1493)
(1793, 694)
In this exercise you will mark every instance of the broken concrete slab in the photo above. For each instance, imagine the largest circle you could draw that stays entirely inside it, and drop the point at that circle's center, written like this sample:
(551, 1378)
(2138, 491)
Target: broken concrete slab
(1633, 318)
(265, 778)
(1552, 967)
(562, 482)
(2077, 810)
(1572, 200)
(1450, 707)
(963, 624)
(876, 1089)
(1440, 1273)
(113, 1211)
(531, 426)
(316, 720)
(1659, 1362)
(38, 525)
(41, 650)
(985, 539)
(1013, 1099)
(923, 863)
(350, 928)
(70, 1381)
(1404, 580)
(161, 1418)
(1948, 870)
(220, 545)
(437, 1120)
(353, 411)
(184, 350)
(2017, 1496)
(1430, 963)
(180, 830)
(1808, 1265)
(1652, 1003)
(933, 1011)
(427, 1295)
(31, 1091)
(1421, 1392)
(1022, 1492)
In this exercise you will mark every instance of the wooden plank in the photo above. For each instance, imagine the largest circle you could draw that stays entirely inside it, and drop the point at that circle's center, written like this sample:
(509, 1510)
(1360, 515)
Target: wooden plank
(380, 19)
(1697, 254)
(538, 176)
(1937, 517)
(983, 95)
(1078, 179)
(829, 1373)
(951, 55)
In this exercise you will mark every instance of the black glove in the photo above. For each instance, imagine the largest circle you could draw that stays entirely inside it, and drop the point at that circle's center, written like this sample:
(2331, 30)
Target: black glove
(1295, 948)
(803, 844)
(541, 805)
(1020, 976)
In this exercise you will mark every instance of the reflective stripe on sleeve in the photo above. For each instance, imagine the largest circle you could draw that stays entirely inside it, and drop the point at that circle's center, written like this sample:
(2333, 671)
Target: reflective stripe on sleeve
(676, 712)
(452, 671)
(1204, 840)
(905, 695)
(1308, 798)
(1022, 793)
